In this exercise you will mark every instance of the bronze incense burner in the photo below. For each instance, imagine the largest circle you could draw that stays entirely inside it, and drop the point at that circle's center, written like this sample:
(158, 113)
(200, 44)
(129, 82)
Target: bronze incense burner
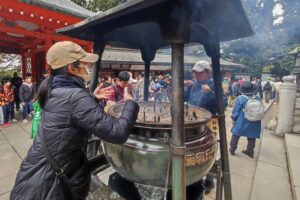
(145, 157)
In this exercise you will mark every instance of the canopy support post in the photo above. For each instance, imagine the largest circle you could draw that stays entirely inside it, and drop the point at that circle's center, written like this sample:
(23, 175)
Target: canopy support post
(215, 58)
(147, 80)
(177, 147)
(98, 49)
(92, 147)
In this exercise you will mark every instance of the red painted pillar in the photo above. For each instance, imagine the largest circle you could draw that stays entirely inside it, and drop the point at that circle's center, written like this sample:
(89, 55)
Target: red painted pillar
(48, 44)
(23, 56)
(33, 57)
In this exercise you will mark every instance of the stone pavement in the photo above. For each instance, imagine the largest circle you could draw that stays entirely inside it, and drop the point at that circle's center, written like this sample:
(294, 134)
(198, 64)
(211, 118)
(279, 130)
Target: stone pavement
(292, 145)
(14, 144)
(271, 180)
(249, 177)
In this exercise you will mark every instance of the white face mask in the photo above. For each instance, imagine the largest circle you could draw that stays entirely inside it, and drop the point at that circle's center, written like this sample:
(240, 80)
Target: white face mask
(86, 78)
(89, 71)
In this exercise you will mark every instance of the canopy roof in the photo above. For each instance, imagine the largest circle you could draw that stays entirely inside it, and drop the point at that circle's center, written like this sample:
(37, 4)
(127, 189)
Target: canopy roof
(62, 6)
(133, 57)
(150, 24)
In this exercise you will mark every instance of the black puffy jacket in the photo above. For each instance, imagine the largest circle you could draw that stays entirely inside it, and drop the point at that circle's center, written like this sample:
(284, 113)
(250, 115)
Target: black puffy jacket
(26, 93)
(70, 114)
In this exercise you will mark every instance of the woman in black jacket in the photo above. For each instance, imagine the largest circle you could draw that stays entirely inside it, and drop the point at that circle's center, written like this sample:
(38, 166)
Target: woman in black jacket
(70, 113)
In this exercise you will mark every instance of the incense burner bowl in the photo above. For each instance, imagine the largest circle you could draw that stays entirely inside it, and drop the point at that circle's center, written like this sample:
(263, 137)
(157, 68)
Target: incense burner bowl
(145, 158)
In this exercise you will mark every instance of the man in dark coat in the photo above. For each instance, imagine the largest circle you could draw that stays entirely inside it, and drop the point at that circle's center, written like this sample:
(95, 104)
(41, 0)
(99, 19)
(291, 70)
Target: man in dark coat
(70, 113)
(16, 81)
(26, 95)
(258, 85)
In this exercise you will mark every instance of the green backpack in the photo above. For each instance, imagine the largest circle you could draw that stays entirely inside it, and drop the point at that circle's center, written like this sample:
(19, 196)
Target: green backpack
(37, 115)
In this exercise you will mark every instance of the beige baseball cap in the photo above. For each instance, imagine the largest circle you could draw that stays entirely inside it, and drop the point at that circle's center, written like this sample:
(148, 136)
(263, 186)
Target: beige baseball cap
(66, 52)
(200, 66)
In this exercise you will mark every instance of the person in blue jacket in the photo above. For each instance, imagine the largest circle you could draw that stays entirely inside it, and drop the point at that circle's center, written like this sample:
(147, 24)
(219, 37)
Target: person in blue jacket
(200, 93)
(243, 127)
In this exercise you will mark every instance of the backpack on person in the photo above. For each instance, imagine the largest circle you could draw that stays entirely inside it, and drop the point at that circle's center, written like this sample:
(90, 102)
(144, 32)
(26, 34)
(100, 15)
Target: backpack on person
(254, 109)
(267, 86)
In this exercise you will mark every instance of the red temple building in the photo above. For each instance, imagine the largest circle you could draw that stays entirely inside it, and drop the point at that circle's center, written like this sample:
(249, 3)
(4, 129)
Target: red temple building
(27, 28)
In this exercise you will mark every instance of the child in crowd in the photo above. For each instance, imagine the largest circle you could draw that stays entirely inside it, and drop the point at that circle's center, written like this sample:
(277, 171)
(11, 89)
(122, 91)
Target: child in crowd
(12, 104)
(26, 94)
(7, 97)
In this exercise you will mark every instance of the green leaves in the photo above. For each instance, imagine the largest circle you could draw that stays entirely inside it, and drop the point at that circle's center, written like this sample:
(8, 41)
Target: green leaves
(98, 5)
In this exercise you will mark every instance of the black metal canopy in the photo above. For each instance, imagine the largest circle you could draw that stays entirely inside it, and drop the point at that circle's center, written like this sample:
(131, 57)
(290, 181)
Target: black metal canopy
(151, 24)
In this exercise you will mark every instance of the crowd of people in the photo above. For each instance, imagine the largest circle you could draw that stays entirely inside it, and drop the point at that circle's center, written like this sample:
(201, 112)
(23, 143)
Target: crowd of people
(268, 89)
(159, 87)
(16, 95)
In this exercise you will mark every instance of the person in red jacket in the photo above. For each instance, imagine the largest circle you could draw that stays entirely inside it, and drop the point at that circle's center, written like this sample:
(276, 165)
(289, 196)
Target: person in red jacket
(7, 97)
